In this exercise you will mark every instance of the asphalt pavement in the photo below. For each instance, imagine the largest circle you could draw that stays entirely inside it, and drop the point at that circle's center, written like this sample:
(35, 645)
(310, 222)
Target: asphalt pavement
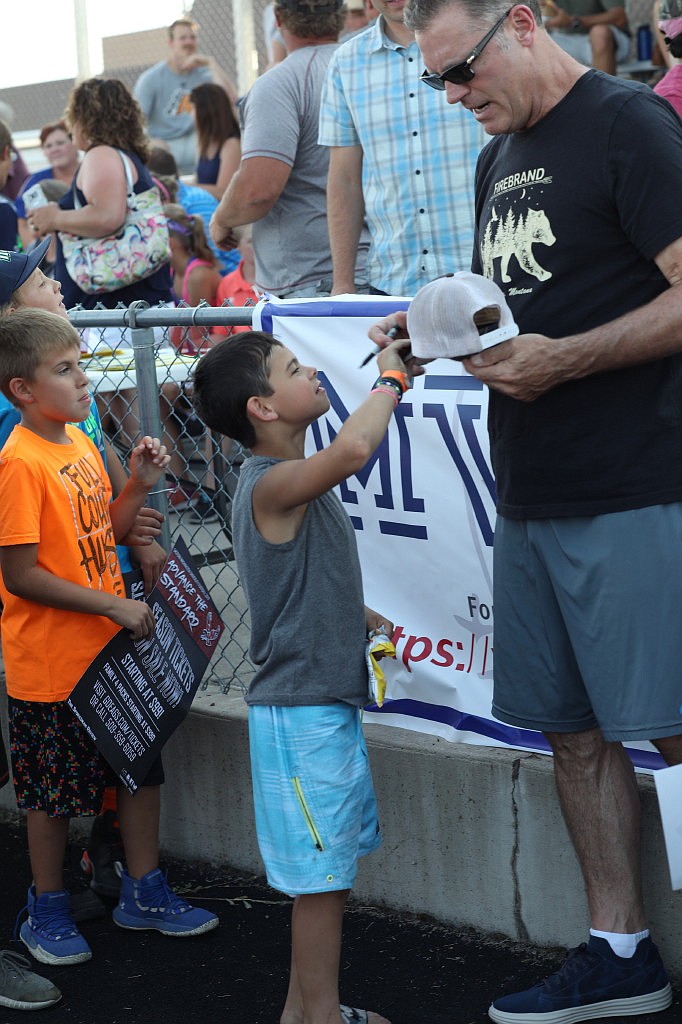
(411, 969)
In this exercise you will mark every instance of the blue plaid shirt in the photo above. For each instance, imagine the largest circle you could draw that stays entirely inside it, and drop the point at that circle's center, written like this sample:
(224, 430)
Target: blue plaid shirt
(419, 159)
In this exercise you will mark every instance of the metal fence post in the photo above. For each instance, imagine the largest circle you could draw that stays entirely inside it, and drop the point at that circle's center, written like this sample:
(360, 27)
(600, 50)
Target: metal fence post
(148, 401)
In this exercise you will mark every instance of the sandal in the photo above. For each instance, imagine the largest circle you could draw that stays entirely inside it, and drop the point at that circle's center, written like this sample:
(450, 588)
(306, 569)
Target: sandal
(352, 1016)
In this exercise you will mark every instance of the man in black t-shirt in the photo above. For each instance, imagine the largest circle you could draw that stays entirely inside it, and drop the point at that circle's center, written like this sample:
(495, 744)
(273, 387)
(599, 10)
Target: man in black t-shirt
(579, 221)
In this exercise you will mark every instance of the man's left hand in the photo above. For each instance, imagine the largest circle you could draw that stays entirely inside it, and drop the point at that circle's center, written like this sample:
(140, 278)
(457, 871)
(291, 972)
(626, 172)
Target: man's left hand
(524, 367)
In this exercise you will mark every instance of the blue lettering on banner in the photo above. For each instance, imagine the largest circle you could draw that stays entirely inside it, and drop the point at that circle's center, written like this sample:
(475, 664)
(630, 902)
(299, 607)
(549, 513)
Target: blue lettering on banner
(469, 413)
(438, 413)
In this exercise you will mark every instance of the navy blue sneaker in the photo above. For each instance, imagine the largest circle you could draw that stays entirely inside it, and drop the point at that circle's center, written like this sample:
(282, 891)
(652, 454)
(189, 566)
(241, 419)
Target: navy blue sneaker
(591, 983)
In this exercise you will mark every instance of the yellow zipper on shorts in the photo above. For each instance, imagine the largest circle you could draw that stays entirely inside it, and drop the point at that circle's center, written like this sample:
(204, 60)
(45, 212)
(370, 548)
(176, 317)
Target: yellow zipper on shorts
(315, 835)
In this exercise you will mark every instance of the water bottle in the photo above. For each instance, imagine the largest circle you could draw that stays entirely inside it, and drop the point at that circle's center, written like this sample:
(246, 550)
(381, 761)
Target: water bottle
(644, 43)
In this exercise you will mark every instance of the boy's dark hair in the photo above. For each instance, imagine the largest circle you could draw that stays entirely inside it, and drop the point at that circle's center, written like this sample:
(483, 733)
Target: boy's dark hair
(227, 377)
(27, 336)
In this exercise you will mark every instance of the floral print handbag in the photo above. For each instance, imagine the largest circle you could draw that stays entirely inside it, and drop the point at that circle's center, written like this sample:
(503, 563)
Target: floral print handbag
(139, 248)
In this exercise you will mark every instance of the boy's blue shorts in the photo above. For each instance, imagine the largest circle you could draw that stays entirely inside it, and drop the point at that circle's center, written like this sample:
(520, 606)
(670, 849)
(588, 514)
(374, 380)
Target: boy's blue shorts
(316, 812)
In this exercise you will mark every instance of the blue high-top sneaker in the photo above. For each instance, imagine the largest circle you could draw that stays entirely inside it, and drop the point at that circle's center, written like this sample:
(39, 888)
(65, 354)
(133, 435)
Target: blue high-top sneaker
(149, 902)
(50, 933)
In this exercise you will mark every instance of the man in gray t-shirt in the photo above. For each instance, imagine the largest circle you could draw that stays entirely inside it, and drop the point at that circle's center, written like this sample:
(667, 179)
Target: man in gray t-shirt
(163, 93)
(280, 186)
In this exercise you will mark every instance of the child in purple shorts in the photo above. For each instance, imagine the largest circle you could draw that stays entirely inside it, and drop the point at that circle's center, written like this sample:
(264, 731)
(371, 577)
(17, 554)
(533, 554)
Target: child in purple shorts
(295, 546)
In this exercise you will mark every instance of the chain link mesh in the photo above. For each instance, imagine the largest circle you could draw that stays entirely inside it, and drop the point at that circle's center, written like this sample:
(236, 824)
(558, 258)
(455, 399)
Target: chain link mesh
(202, 475)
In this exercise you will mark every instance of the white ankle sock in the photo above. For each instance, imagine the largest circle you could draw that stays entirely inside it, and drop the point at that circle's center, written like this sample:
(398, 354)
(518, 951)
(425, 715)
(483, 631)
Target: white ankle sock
(622, 944)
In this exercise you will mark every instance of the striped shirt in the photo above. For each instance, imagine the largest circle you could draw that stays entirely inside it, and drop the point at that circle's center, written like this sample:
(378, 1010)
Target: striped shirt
(419, 159)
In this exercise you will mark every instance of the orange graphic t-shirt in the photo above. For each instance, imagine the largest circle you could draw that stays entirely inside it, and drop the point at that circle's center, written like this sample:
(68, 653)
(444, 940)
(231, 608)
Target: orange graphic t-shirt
(56, 496)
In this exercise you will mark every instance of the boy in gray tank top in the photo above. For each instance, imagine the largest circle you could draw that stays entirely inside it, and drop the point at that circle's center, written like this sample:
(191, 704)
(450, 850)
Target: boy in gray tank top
(315, 807)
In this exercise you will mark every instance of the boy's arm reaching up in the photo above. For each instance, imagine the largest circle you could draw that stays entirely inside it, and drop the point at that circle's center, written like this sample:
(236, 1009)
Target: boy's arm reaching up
(281, 495)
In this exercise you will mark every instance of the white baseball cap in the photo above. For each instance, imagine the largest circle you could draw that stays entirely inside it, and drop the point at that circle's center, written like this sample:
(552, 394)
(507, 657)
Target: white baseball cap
(446, 317)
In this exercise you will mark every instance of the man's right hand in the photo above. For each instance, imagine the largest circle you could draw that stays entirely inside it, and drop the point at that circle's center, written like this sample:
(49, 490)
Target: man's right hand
(379, 331)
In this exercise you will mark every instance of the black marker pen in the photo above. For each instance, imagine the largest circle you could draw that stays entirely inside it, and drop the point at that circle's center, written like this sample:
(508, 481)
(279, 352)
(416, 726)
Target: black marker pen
(389, 334)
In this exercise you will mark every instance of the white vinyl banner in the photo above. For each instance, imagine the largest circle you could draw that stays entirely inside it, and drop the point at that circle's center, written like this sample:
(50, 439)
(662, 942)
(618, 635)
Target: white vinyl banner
(423, 510)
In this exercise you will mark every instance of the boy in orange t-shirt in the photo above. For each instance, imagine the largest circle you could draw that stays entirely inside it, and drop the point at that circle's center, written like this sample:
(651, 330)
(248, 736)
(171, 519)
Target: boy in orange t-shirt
(64, 599)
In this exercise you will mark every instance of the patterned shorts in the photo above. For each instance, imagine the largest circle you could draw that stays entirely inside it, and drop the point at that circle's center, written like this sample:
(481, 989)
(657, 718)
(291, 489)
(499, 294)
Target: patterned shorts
(56, 766)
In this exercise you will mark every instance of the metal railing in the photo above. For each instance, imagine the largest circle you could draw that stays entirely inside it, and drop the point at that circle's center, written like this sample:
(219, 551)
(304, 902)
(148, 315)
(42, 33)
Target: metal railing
(142, 385)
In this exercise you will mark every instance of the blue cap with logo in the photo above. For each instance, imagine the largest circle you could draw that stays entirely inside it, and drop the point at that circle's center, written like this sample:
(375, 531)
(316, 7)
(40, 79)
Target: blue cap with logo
(17, 267)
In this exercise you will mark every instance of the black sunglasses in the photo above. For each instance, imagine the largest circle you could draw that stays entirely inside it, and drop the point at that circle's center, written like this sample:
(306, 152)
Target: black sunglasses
(460, 74)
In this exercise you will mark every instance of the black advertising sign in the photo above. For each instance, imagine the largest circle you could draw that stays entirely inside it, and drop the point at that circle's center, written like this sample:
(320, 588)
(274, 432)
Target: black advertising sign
(135, 693)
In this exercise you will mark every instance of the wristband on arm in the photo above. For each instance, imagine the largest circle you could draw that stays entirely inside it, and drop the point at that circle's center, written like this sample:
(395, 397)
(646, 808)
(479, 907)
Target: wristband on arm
(399, 376)
(383, 388)
(389, 385)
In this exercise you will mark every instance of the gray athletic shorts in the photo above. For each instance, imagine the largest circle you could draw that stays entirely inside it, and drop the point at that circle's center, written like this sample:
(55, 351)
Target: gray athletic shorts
(588, 623)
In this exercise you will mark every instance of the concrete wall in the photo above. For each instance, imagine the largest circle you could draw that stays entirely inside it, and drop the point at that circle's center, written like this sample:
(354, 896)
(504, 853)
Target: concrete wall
(473, 836)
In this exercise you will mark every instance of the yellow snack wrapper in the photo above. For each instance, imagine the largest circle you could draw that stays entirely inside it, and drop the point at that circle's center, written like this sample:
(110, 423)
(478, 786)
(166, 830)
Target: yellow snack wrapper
(378, 647)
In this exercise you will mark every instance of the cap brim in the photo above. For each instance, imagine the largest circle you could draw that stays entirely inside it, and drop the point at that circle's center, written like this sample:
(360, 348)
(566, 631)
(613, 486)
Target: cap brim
(33, 259)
